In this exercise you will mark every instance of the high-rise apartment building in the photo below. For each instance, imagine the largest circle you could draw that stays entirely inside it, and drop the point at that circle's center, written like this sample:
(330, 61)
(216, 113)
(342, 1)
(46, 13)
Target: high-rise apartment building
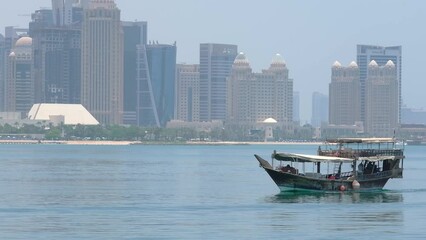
(12, 34)
(156, 70)
(215, 66)
(83, 3)
(57, 60)
(41, 18)
(296, 107)
(344, 95)
(319, 109)
(381, 55)
(239, 107)
(62, 12)
(255, 97)
(188, 92)
(19, 85)
(135, 33)
(2, 71)
(102, 62)
(7, 43)
(382, 98)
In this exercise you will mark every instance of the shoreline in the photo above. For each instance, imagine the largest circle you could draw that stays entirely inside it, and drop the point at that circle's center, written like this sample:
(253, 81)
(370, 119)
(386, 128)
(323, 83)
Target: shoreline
(125, 143)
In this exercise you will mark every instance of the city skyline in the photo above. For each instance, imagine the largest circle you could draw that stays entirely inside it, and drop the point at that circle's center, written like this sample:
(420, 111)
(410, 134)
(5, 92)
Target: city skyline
(308, 36)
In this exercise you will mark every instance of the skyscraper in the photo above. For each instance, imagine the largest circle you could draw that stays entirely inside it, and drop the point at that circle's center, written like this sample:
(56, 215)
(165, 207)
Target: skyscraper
(255, 97)
(62, 12)
(7, 43)
(381, 55)
(215, 66)
(19, 86)
(319, 109)
(344, 94)
(102, 62)
(381, 97)
(84, 3)
(12, 34)
(57, 60)
(156, 69)
(2, 71)
(135, 33)
(188, 92)
(296, 107)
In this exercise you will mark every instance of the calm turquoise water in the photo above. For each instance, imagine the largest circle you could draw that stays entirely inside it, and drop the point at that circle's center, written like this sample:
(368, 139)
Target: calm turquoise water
(190, 192)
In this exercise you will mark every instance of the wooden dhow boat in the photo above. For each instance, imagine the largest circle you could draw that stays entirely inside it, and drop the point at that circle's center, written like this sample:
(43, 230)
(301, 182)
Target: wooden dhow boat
(343, 164)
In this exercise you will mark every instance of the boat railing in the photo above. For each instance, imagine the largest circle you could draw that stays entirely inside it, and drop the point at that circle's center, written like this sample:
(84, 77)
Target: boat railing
(394, 173)
(353, 153)
(343, 175)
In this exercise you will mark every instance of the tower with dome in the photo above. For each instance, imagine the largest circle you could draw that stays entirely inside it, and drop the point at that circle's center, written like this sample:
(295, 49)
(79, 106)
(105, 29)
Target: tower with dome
(19, 85)
(253, 97)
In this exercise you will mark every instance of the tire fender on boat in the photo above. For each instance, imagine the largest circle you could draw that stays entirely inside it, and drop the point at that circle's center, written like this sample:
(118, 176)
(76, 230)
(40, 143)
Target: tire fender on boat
(355, 184)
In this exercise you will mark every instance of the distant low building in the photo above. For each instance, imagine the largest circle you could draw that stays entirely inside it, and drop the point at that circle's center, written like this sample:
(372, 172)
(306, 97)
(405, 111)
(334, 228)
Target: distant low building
(319, 109)
(68, 114)
(413, 116)
(336, 131)
(198, 126)
(268, 125)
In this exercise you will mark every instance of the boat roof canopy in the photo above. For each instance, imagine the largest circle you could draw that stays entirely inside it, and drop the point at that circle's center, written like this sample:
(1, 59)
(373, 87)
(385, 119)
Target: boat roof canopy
(293, 157)
(361, 140)
(376, 158)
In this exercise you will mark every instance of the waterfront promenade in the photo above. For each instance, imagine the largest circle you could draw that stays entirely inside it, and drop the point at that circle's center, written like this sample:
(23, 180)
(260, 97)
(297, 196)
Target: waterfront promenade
(122, 143)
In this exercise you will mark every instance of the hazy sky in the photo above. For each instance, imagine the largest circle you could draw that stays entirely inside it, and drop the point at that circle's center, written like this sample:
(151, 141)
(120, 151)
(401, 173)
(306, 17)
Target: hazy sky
(310, 35)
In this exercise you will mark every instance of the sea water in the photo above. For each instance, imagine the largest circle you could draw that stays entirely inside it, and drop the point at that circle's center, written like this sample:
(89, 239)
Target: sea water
(191, 192)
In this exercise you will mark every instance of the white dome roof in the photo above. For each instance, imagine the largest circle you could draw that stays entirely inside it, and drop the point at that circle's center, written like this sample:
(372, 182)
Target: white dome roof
(270, 120)
(337, 64)
(390, 64)
(241, 59)
(353, 64)
(278, 60)
(12, 54)
(24, 42)
(373, 64)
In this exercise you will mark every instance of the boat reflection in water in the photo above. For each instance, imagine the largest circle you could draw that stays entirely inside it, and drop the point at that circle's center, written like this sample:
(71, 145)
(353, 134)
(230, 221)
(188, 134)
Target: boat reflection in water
(360, 214)
(336, 197)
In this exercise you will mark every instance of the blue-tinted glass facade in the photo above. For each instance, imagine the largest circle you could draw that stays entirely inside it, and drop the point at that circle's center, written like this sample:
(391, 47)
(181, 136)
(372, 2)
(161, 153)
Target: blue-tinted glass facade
(23, 87)
(135, 33)
(215, 66)
(156, 84)
(380, 54)
(57, 64)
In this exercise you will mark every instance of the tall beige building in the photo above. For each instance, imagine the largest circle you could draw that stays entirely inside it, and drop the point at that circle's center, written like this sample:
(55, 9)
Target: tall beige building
(187, 92)
(254, 97)
(102, 62)
(344, 95)
(382, 99)
(19, 86)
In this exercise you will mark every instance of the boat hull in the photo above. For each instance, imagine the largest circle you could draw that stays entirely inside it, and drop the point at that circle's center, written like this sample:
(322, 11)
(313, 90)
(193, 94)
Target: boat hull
(290, 181)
